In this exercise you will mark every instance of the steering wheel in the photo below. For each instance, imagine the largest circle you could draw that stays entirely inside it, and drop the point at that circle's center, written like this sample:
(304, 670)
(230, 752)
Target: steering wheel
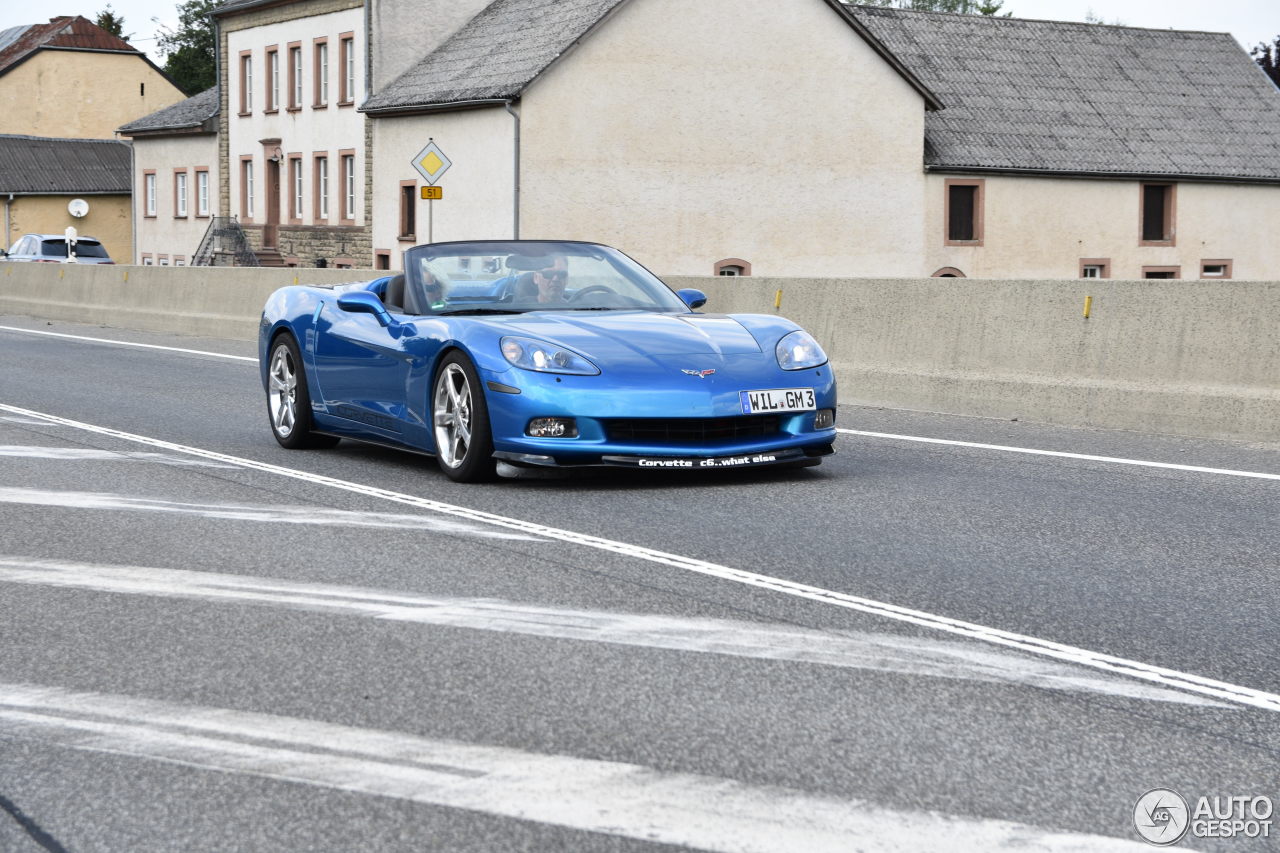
(592, 288)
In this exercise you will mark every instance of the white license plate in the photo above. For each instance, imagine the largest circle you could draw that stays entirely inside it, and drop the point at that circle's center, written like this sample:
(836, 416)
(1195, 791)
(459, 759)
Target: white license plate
(778, 400)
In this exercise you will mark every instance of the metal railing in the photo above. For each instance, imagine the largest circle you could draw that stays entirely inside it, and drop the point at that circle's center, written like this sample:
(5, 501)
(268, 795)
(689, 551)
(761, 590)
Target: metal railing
(225, 245)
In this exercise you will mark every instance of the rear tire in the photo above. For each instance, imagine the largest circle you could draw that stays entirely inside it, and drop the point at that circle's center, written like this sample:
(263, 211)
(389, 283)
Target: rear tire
(288, 401)
(460, 422)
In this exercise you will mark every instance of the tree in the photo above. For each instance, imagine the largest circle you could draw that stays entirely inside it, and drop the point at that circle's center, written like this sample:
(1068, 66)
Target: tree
(966, 7)
(1269, 59)
(190, 50)
(112, 23)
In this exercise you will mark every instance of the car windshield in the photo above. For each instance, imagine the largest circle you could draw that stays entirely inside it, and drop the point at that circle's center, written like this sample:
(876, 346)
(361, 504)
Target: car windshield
(84, 249)
(513, 277)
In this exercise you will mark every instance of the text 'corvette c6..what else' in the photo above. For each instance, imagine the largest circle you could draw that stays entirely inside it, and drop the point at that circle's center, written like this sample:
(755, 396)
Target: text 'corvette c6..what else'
(541, 353)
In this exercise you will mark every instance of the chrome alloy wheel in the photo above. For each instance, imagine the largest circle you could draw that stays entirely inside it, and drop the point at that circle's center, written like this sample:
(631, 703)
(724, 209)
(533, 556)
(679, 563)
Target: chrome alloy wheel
(282, 391)
(453, 415)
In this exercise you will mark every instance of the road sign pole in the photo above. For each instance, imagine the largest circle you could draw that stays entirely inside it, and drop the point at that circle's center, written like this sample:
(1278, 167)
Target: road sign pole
(430, 220)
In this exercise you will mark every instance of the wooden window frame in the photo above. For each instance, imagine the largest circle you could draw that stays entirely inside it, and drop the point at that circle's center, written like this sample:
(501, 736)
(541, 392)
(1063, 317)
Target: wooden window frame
(320, 74)
(297, 181)
(150, 194)
(1177, 271)
(1105, 263)
(272, 63)
(245, 67)
(1170, 213)
(181, 200)
(979, 211)
(1224, 262)
(320, 187)
(408, 213)
(247, 180)
(294, 54)
(343, 217)
(208, 193)
(346, 52)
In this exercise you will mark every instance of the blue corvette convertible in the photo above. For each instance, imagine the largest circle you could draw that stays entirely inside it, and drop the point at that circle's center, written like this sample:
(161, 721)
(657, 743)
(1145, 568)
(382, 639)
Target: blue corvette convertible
(541, 353)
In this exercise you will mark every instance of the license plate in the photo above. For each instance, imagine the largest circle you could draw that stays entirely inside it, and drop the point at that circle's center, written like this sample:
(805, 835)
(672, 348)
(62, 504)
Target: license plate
(778, 400)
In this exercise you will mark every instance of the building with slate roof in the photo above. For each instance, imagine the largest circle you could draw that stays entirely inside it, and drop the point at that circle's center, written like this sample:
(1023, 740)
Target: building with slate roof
(1075, 149)
(711, 135)
(177, 169)
(70, 78)
(808, 137)
(40, 176)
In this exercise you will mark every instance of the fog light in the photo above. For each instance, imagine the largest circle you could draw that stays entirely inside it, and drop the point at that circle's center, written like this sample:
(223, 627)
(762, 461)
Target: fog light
(824, 419)
(552, 428)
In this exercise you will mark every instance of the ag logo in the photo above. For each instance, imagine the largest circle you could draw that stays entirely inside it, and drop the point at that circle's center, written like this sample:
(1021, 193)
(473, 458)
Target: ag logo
(1161, 817)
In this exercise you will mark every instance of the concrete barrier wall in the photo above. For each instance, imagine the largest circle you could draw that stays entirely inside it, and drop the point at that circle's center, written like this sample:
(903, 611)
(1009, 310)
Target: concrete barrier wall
(1185, 357)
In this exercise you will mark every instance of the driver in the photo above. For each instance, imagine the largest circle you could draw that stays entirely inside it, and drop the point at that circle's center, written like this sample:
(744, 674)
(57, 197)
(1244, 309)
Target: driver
(546, 284)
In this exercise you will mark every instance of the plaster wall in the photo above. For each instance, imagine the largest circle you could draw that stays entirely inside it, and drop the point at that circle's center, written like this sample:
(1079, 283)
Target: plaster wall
(478, 188)
(686, 133)
(81, 94)
(166, 233)
(107, 220)
(306, 132)
(1043, 227)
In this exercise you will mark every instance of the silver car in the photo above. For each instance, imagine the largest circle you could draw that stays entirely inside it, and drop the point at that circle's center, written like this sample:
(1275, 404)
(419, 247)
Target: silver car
(52, 249)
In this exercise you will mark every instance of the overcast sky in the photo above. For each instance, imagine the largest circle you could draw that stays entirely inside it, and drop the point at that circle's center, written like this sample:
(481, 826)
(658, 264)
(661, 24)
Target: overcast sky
(1250, 21)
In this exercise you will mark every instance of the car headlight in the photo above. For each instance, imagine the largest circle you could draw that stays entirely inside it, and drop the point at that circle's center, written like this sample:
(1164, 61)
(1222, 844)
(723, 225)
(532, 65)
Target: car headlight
(799, 350)
(531, 354)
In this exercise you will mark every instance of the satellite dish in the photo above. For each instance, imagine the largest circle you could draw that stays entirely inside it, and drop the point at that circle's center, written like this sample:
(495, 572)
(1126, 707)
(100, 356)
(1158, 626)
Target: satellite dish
(77, 207)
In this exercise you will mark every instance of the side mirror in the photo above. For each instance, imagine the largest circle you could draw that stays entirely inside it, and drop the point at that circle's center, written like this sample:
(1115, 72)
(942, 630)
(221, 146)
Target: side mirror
(692, 298)
(364, 302)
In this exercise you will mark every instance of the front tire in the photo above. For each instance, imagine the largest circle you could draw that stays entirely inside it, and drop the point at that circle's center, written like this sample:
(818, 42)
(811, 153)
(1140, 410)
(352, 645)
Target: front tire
(288, 401)
(460, 420)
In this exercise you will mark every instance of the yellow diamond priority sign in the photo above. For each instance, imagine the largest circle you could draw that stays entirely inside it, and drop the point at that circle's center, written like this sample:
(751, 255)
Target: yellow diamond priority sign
(431, 163)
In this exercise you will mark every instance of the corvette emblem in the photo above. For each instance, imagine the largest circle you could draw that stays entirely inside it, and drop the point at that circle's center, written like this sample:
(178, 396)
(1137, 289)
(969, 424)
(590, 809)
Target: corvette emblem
(701, 374)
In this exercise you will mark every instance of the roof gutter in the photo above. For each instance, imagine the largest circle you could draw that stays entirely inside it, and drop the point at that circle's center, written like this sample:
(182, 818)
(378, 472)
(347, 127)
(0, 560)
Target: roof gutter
(1013, 172)
(417, 109)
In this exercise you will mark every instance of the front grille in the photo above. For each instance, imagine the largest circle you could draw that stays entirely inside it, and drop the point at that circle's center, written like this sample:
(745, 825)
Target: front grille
(691, 430)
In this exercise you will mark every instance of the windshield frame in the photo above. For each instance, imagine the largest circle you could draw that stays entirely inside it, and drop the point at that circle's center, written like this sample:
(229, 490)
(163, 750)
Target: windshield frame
(662, 299)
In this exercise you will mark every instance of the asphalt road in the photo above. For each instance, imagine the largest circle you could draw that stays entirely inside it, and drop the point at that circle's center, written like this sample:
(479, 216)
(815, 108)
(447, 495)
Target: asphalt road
(211, 643)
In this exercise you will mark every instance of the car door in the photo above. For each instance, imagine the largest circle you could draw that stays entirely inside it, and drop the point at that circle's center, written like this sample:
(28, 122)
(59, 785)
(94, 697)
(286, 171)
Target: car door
(362, 368)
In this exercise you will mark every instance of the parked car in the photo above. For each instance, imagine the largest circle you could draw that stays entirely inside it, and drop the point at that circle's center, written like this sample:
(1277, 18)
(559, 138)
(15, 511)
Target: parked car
(52, 249)
(559, 354)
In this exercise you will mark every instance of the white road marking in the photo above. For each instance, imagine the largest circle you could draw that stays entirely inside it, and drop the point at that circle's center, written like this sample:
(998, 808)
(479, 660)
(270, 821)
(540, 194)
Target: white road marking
(245, 512)
(1046, 648)
(128, 343)
(92, 454)
(613, 798)
(963, 661)
(1116, 460)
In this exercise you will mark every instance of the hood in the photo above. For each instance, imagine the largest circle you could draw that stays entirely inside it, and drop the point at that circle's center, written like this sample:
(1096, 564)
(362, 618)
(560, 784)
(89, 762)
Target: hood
(624, 336)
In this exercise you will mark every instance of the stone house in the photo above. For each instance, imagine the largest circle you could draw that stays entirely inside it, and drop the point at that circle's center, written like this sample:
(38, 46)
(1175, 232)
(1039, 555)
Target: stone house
(293, 147)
